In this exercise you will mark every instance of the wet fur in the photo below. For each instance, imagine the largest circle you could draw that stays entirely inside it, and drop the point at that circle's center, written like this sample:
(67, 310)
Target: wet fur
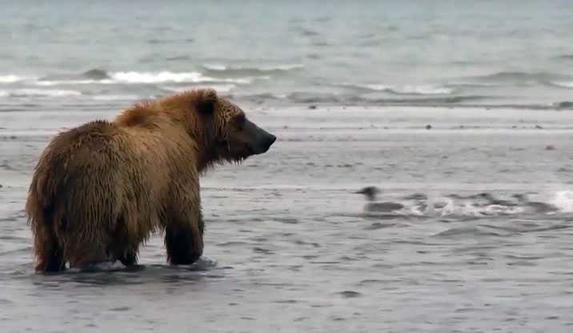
(100, 190)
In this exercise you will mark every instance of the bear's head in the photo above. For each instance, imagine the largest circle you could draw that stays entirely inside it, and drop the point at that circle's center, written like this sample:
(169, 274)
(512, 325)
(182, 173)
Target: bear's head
(227, 134)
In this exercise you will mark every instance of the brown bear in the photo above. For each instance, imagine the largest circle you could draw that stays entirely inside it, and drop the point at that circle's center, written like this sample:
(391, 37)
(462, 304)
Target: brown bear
(100, 190)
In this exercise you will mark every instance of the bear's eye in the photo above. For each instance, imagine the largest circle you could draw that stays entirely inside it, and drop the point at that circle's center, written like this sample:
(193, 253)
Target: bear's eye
(240, 121)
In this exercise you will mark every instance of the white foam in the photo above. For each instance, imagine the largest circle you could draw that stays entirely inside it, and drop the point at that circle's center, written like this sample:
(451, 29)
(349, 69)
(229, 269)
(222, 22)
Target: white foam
(563, 84)
(263, 68)
(563, 200)
(215, 67)
(164, 77)
(72, 82)
(376, 87)
(159, 77)
(222, 88)
(10, 78)
(421, 90)
(408, 89)
(38, 93)
(115, 97)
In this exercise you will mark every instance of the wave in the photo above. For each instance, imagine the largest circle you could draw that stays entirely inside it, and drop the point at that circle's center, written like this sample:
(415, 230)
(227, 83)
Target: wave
(563, 200)
(248, 70)
(11, 78)
(49, 83)
(173, 77)
(258, 98)
(115, 97)
(406, 89)
(465, 84)
(38, 93)
(356, 99)
(158, 77)
(419, 100)
(522, 77)
(562, 84)
(97, 76)
(222, 88)
(565, 57)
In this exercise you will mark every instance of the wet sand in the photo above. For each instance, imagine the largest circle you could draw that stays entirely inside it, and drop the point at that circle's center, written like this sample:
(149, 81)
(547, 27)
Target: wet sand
(290, 249)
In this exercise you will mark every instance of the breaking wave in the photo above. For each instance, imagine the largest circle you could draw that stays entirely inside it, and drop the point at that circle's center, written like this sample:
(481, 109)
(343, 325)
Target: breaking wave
(160, 77)
(250, 70)
(98, 76)
(222, 88)
(522, 78)
(11, 78)
(414, 100)
(563, 84)
(38, 93)
(406, 89)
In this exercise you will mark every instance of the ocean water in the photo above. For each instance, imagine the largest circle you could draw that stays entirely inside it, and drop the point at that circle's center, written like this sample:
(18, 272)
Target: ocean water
(339, 52)
(459, 111)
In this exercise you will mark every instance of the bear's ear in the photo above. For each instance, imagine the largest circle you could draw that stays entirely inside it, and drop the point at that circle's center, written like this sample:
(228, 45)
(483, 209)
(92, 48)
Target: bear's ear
(206, 99)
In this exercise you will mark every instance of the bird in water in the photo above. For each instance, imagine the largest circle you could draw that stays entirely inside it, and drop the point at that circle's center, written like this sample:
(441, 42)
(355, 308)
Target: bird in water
(370, 192)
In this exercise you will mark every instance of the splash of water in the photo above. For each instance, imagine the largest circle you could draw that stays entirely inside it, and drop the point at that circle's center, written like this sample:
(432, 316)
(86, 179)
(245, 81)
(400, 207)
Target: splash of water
(563, 200)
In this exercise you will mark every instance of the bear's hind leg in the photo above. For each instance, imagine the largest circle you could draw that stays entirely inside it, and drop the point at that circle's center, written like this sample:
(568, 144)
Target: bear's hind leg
(48, 251)
(122, 248)
(184, 244)
(86, 254)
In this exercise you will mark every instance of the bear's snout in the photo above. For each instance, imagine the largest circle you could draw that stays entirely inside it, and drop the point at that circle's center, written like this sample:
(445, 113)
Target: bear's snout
(261, 140)
(267, 142)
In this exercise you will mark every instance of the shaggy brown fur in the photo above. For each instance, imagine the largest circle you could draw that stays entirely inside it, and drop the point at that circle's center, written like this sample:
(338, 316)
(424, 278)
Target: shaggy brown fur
(100, 190)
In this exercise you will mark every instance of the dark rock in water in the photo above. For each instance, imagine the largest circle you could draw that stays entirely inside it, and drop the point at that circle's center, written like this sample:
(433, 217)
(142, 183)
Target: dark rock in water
(550, 147)
(538, 127)
(96, 74)
(428, 127)
(312, 107)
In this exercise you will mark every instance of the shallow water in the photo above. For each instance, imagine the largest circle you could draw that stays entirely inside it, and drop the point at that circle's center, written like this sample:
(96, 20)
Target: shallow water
(290, 248)
(458, 110)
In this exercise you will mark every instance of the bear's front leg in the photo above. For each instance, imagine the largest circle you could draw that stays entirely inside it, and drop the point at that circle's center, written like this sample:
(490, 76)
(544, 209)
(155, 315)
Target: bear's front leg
(184, 241)
(183, 221)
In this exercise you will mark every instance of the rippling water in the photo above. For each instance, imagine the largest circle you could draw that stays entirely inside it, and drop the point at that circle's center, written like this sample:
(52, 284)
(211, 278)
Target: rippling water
(289, 245)
(456, 110)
